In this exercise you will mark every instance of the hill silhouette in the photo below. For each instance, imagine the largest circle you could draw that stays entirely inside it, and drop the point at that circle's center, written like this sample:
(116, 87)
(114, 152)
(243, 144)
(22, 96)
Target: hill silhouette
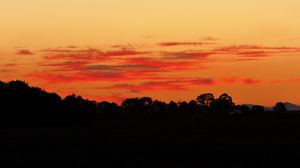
(289, 107)
(36, 124)
(292, 107)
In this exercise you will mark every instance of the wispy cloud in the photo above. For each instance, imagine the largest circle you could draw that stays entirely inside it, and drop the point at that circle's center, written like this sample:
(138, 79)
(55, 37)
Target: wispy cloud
(241, 80)
(88, 54)
(171, 44)
(126, 63)
(176, 84)
(210, 38)
(76, 77)
(24, 52)
(192, 55)
(255, 50)
(179, 84)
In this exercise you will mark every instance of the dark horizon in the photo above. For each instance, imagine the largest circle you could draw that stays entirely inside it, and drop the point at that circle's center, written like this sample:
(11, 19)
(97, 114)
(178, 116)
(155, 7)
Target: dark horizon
(37, 125)
(293, 106)
(36, 105)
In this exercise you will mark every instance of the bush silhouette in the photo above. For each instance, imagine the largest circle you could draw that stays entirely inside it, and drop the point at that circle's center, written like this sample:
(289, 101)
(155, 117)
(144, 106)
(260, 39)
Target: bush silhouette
(280, 108)
(257, 109)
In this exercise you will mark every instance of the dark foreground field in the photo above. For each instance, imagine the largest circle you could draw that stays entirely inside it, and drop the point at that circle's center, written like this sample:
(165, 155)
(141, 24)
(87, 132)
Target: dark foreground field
(263, 141)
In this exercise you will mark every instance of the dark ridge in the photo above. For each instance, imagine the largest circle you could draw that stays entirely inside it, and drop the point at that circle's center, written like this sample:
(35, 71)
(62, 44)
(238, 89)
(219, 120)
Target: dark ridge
(142, 132)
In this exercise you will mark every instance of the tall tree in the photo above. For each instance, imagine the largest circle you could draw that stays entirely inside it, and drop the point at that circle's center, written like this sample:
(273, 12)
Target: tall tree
(223, 104)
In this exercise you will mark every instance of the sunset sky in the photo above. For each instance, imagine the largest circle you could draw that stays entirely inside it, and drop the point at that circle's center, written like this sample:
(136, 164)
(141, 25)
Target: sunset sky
(166, 49)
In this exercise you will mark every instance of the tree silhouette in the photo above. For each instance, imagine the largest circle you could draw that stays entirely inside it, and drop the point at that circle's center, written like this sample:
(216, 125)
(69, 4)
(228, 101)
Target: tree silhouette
(280, 108)
(18, 85)
(109, 110)
(73, 126)
(79, 109)
(183, 107)
(23, 104)
(223, 104)
(244, 109)
(132, 105)
(137, 107)
(205, 101)
(172, 107)
(159, 109)
(146, 103)
(194, 107)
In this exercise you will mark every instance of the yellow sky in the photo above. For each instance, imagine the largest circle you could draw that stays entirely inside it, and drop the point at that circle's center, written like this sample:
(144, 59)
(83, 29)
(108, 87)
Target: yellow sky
(42, 24)
(90, 22)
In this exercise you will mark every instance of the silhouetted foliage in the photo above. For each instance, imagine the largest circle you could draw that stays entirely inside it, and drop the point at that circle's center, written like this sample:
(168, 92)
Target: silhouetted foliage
(243, 109)
(23, 104)
(257, 109)
(223, 104)
(107, 107)
(18, 85)
(159, 109)
(280, 108)
(70, 127)
(183, 107)
(194, 107)
(172, 107)
(205, 101)
(79, 109)
(133, 105)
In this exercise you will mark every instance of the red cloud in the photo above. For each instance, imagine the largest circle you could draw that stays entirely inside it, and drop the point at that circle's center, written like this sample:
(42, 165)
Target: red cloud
(257, 47)
(127, 64)
(245, 52)
(171, 44)
(237, 80)
(91, 60)
(163, 84)
(147, 86)
(88, 54)
(191, 54)
(127, 69)
(24, 52)
(10, 65)
(123, 52)
(209, 38)
(158, 63)
(54, 77)
(66, 66)
(249, 81)
(256, 50)
(204, 81)
(231, 80)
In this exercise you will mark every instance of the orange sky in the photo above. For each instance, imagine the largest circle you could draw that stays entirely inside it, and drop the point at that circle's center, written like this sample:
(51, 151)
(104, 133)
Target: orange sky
(169, 49)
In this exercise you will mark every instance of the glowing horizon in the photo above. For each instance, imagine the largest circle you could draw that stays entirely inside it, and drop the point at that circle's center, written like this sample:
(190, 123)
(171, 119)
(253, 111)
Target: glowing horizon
(168, 50)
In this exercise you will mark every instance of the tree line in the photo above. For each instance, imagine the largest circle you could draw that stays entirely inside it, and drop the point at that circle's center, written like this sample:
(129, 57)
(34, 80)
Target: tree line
(24, 104)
